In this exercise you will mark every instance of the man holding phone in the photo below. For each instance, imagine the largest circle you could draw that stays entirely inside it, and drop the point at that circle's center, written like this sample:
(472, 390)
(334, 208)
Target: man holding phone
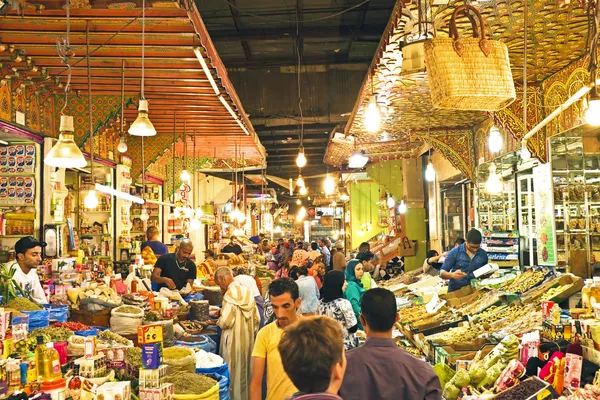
(463, 260)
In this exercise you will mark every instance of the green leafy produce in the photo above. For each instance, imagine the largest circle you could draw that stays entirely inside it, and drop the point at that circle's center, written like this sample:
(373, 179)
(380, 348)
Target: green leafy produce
(52, 334)
(112, 337)
(134, 356)
(9, 288)
(23, 304)
(190, 383)
(477, 373)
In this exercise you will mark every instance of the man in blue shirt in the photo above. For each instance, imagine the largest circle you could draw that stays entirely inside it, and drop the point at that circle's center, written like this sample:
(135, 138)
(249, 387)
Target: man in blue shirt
(463, 260)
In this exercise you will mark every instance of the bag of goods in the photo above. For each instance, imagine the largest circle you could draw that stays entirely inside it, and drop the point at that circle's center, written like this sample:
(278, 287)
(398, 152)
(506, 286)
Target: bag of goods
(181, 359)
(125, 320)
(168, 332)
(138, 300)
(57, 313)
(203, 342)
(199, 310)
(190, 386)
(23, 304)
(37, 319)
(94, 298)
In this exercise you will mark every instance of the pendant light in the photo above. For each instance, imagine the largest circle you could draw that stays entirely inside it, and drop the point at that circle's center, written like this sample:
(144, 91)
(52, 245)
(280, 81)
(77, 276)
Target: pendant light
(592, 115)
(185, 175)
(358, 160)
(390, 202)
(344, 196)
(402, 207)
(142, 126)
(91, 200)
(300, 180)
(495, 141)
(298, 201)
(65, 153)
(303, 191)
(301, 158)
(493, 184)
(122, 146)
(329, 185)
(429, 170)
(372, 117)
(525, 153)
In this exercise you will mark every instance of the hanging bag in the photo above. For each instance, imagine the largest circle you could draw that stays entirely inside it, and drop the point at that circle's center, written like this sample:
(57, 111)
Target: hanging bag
(469, 73)
(408, 248)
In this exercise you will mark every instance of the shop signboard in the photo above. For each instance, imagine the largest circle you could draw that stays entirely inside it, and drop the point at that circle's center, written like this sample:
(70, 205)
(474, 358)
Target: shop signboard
(544, 212)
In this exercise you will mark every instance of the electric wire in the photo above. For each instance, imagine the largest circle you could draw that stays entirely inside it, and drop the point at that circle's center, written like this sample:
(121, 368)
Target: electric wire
(65, 53)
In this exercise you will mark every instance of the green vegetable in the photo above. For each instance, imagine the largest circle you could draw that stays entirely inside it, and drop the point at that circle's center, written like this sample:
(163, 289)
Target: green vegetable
(461, 379)
(450, 392)
(190, 383)
(134, 356)
(23, 304)
(52, 334)
(111, 337)
(444, 373)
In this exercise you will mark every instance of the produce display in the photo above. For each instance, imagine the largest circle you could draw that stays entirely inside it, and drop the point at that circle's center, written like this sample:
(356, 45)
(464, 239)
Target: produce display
(589, 392)
(522, 391)
(23, 304)
(52, 334)
(525, 281)
(72, 326)
(113, 338)
(484, 301)
(555, 291)
(189, 383)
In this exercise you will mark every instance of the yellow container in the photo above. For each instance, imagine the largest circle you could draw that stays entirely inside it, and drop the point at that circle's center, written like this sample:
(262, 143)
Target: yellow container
(211, 394)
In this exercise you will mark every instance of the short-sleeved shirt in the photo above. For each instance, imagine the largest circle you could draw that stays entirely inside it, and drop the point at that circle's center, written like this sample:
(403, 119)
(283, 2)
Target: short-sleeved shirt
(157, 247)
(232, 248)
(179, 272)
(459, 259)
(279, 385)
(340, 310)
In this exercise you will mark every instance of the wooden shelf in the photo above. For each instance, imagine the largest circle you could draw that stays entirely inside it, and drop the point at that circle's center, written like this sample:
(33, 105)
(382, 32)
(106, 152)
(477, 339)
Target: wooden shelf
(13, 236)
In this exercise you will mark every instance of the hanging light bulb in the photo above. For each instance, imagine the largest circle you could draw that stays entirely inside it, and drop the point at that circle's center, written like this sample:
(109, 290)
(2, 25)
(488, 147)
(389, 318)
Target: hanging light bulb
(199, 212)
(195, 224)
(185, 176)
(372, 116)
(300, 181)
(189, 212)
(429, 172)
(390, 202)
(525, 153)
(241, 217)
(303, 191)
(358, 160)
(91, 200)
(334, 203)
(142, 126)
(298, 202)
(329, 185)
(301, 159)
(177, 213)
(493, 184)
(495, 141)
(360, 232)
(122, 146)
(144, 216)
(402, 207)
(344, 196)
(592, 115)
(65, 153)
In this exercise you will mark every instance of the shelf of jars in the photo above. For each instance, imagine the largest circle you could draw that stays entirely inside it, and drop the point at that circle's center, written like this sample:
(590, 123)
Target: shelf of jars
(527, 220)
(576, 187)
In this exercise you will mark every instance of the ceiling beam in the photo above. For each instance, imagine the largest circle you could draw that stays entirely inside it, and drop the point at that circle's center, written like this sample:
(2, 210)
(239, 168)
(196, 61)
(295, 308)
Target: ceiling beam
(288, 61)
(238, 26)
(366, 34)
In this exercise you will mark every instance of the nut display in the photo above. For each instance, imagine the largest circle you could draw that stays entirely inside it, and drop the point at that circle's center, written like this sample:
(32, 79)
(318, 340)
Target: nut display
(525, 281)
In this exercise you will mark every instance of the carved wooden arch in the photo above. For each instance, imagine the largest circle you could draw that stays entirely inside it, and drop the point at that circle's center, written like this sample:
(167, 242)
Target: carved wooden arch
(34, 114)
(457, 147)
(5, 102)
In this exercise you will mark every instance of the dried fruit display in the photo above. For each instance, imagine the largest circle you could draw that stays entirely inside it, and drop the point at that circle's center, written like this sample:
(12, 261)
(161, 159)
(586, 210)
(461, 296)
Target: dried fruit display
(525, 281)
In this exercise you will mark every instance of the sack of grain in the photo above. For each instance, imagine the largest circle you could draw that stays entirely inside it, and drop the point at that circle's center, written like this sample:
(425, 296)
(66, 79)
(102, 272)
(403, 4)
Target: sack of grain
(125, 320)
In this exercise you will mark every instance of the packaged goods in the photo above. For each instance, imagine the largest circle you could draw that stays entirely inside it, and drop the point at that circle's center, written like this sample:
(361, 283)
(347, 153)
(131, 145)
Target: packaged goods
(152, 355)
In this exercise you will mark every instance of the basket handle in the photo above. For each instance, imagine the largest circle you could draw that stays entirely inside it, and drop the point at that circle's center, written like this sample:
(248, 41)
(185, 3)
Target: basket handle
(464, 9)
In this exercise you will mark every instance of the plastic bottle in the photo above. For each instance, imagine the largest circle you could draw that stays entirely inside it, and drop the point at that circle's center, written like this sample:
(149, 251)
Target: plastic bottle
(586, 292)
(52, 368)
(40, 356)
(556, 314)
(595, 292)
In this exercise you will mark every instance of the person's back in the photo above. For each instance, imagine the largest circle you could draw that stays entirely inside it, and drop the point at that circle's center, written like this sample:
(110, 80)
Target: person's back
(309, 293)
(379, 361)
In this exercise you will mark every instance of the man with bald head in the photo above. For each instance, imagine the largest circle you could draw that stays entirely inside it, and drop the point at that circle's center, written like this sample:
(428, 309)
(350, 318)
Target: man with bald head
(175, 270)
(239, 323)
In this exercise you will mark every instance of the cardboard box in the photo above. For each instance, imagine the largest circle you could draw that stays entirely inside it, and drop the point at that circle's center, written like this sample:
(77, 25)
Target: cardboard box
(115, 391)
(153, 378)
(165, 392)
(150, 334)
(555, 332)
(152, 355)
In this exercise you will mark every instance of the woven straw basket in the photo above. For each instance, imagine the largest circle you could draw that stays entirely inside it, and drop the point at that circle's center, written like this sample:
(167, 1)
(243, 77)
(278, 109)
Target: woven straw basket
(469, 73)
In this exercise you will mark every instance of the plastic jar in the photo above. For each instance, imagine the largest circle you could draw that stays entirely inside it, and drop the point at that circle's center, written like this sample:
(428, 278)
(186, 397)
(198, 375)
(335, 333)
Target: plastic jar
(56, 389)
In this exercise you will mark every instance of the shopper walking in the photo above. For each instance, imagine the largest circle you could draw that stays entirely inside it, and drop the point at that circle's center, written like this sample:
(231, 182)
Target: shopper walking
(309, 292)
(284, 270)
(239, 322)
(380, 369)
(354, 290)
(334, 305)
(241, 275)
(338, 260)
(317, 270)
(285, 302)
(366, 259)
(314, 251)
(312, 354)
(326, 253)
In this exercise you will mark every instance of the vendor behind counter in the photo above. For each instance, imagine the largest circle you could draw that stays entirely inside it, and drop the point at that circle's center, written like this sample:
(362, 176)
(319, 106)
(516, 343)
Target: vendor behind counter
(175, 270)
(463, 260)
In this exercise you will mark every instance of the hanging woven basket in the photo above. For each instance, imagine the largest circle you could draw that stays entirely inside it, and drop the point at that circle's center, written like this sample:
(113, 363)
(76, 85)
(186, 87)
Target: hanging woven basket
(469, 73)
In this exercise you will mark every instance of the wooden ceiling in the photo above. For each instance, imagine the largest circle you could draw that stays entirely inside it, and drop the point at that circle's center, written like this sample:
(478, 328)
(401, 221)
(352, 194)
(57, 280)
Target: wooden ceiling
(557, 33)
(176, 85)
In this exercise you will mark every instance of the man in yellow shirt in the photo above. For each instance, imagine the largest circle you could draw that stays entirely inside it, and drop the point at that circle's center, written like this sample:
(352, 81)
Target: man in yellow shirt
(285, 301)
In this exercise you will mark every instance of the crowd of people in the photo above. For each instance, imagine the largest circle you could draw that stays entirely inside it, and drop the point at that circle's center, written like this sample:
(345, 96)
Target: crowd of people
(299, 341)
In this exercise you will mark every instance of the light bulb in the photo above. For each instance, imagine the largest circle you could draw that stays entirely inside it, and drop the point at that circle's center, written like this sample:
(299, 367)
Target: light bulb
(122, 146)
(592, 115)
(429, 172)
(495, 139)
(334, 203)
(402, 207)
(144, 216)
(329, 185)
(493, 184)
(195, 224)
(177, 213)
(525, 153)
(142, 125)
(185, 175)
(91, 200)
(303, 191)
(372, 116)
(358, 160)
(65, 153)
(298, 202)
(300, 181)
(199, 213)
(241, 217)
(390, 202)
(301, 159)
(189, 212)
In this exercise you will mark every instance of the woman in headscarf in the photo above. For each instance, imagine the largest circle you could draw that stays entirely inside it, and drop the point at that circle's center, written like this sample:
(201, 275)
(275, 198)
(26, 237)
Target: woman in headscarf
(300, 258)
(284, 270)
(354, 273)
(334, 305)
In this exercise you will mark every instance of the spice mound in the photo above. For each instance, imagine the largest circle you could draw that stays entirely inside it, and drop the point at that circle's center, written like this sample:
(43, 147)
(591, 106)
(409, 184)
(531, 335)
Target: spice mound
(190, 383)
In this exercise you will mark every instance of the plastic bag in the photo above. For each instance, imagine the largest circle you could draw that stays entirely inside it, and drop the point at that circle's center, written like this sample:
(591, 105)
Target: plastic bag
(168, 331)
(211, 394)
(57, 313)
(223, 384)
(125, 323)
(194, 297)
(198, 342)
(199, 310)
(92, 305)
(37, 319)
(183, 364)
(221, 372)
